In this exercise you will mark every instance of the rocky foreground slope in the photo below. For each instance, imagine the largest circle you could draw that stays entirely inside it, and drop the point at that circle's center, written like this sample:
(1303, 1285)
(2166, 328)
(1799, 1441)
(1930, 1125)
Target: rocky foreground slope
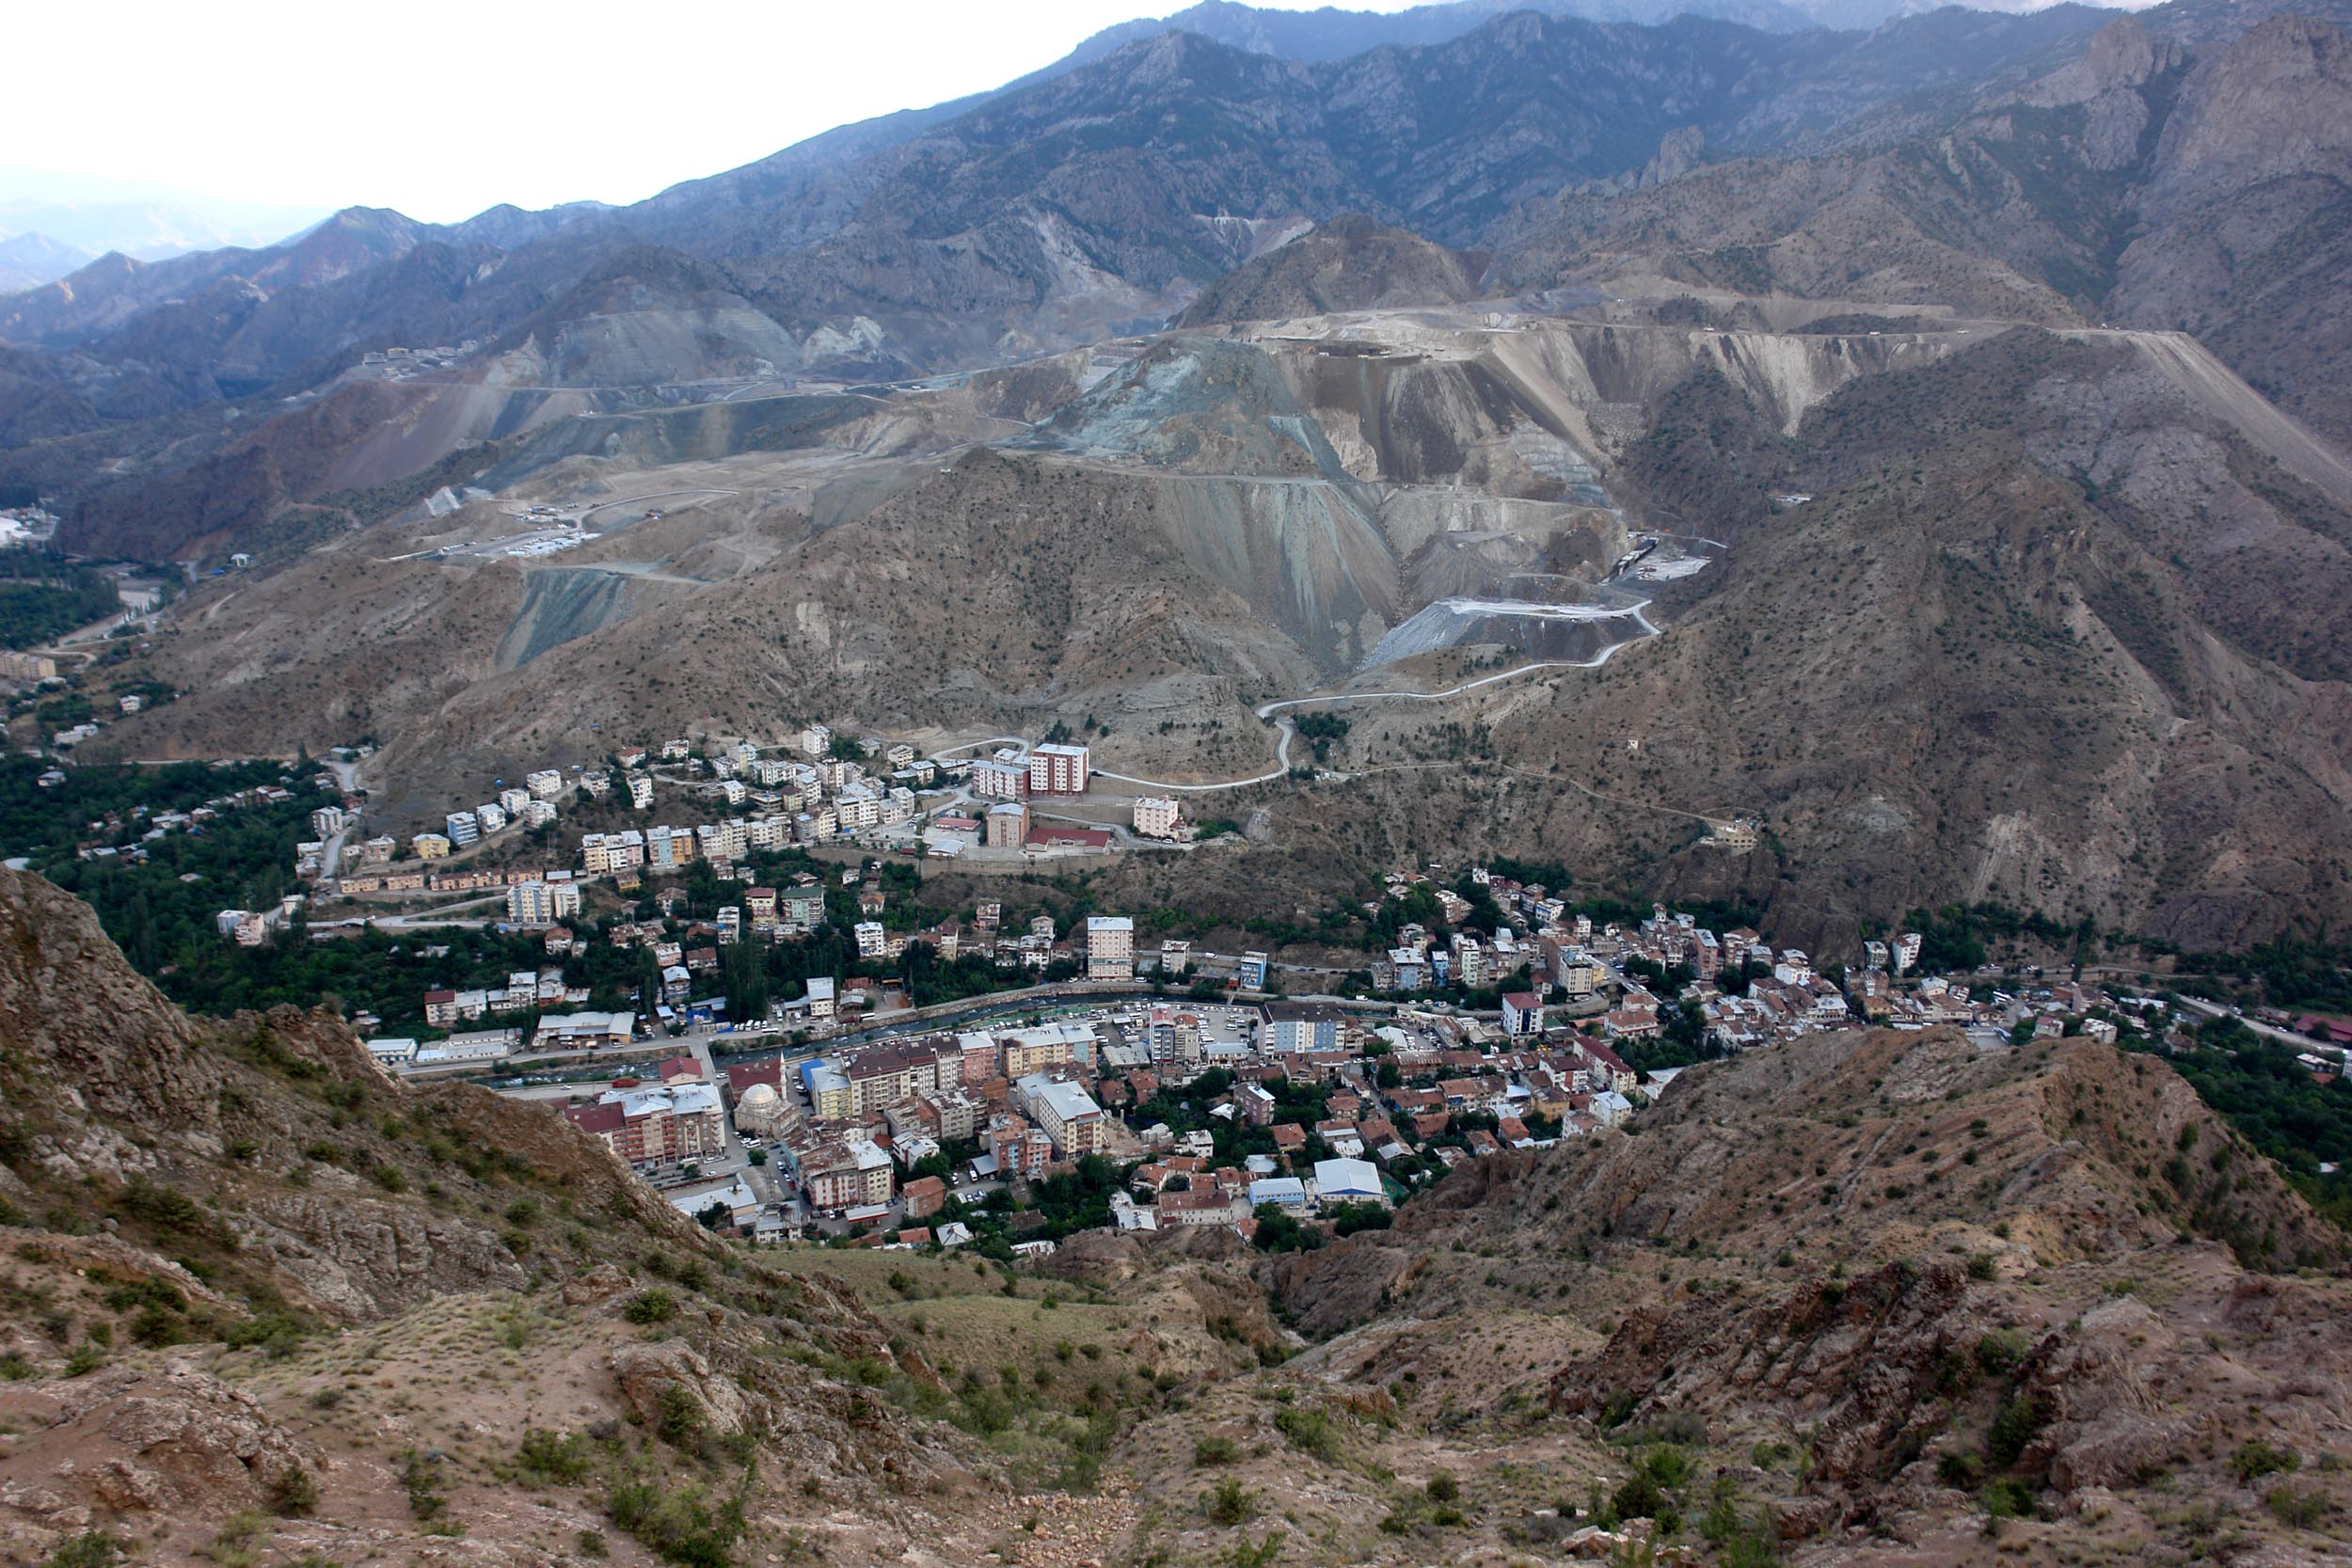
(263, 1303)
(1889, 1294)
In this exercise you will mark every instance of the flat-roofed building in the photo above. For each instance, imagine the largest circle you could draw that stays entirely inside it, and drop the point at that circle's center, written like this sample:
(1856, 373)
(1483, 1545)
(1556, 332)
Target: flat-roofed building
(1066, 1113)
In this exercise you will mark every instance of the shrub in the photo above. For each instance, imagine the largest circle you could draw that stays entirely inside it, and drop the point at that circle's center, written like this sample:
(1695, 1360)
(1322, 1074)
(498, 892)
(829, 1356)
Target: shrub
(2008, 1498)
(2257, 1459)
(1230, 1503)
(654, 1305)
(279, 1334)
(294, 1493)
(1214, 1451)
(90, 1549)
(1442, 1488)
(2012, 1429)
(1958, 1470)
(1308, 1429)
(1981, 1266)
(2001, 1350)
(156, 1328)
(422, 1483)
(163, 1208)
(681, 1420)
(1639, 1498)
(560, 1459)
(2297, 1507)
(1668, 1465)
(678, 1523)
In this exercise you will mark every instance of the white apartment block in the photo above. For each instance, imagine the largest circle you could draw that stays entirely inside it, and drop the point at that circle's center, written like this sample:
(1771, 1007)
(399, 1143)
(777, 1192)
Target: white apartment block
(1110, 948)
(491, 815)
(544, 784)
(873, 941)
(816, 740)
(603, 852)
(1156, 815)
(542, 903)
(857, 807)
(641, 790)
(462, 828)
(999, 781)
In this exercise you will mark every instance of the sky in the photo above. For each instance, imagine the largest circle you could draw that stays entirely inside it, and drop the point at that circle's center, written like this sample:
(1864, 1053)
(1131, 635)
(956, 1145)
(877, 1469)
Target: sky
(441, 108)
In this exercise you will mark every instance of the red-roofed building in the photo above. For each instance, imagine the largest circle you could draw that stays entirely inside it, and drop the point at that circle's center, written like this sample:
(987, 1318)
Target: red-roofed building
(679, 1070)
(1522, 1012)
(742, 1075)
(926, 1196)
(1062, 835)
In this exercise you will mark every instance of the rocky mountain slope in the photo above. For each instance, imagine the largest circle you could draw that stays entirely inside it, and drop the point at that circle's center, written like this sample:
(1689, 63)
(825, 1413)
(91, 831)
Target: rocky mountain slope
(1348, 263)
(2096, 193)
(1883, 1286)
(267, 1303)
(262, 1297)
(1088, 201)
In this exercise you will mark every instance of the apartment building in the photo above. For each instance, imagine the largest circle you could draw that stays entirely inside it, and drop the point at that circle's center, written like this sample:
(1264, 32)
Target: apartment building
(1008, 826)
(1156, 815)
(848, 1174)
(603, 852)
(892, 1074)
(1066, 1113)
(999, 781)
(1294, 1026)
(653, 1127)
(1055, 769)
(1110, 948)
(542, 903)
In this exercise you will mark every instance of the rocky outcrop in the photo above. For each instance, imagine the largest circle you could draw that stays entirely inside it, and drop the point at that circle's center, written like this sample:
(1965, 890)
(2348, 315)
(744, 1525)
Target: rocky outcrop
(357, 1256)
(1350, 262)
(149, 1440)
(94, 1039)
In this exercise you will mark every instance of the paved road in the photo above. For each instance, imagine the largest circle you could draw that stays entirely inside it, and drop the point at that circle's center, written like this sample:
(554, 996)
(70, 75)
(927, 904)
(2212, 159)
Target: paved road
(2269, 1030)
(437, 915)
(1282, 747)
(655, 496)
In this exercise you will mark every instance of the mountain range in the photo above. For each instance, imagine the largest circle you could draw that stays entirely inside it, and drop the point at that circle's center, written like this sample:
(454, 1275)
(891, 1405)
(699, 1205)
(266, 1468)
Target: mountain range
(1298, 361)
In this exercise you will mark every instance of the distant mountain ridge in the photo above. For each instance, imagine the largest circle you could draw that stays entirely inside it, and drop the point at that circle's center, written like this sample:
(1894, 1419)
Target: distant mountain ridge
(29, 260)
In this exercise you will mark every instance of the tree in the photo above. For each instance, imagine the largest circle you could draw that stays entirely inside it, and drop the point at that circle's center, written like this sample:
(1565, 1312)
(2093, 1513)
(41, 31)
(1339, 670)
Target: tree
(746, 975)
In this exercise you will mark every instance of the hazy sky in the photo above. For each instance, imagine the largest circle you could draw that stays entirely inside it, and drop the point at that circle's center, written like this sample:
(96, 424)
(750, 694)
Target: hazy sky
(441, 108)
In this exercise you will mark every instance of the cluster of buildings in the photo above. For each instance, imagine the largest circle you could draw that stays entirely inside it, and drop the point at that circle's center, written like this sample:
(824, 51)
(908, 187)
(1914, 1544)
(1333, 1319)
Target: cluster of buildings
(674, 1116)
(847, 1127)
(533, 806)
